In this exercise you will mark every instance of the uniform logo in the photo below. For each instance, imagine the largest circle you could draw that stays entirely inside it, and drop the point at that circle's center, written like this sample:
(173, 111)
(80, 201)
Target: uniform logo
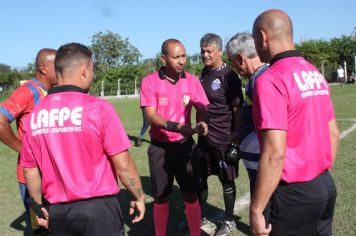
(53, 121)
(216, 84)
(185, 100)
(56, 98)
(311, 83)
(162, 101)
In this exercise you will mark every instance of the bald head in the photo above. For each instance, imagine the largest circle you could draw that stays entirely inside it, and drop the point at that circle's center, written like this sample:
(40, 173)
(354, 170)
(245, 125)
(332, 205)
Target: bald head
(167, 43)
(44, 57)
(273, 34)
(276, 23)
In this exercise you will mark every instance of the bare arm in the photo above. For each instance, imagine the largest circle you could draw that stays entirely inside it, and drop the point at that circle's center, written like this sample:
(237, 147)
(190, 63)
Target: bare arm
(334, 137)
(159, 122)
(268, 177)
(33, 183)
(126, 170)
(34, 186)
(7, 135)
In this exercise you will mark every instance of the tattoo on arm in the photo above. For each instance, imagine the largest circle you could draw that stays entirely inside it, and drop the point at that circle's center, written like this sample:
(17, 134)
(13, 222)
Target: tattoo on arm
(132, 183)
(139, 192)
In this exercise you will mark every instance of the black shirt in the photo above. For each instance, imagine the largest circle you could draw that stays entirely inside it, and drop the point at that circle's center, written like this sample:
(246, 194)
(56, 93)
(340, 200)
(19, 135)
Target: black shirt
(223, 89)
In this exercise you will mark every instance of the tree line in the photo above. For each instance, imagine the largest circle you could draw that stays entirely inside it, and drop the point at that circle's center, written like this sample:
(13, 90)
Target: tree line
(115, 58)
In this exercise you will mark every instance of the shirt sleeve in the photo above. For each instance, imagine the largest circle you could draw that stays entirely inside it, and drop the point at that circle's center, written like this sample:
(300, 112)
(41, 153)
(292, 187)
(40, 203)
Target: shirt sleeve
(27, 159)
(199, 98)
(115, 138)
(17, 103)
(233, 89)
(269, 104)
(147, 93)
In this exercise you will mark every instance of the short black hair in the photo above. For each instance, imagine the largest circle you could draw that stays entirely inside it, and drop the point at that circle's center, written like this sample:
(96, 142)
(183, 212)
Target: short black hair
(69, 54)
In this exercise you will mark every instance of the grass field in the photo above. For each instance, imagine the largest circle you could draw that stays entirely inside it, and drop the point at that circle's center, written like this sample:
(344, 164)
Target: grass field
(11, 209)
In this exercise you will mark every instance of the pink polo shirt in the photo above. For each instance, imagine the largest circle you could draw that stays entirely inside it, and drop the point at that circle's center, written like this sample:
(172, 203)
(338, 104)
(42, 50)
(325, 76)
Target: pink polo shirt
(173, 101)
(71, 137)
(293, 96)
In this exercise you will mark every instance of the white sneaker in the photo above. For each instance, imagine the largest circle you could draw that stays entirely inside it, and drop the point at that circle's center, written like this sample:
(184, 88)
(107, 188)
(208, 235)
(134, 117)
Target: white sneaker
(226, 228)
(207, 226)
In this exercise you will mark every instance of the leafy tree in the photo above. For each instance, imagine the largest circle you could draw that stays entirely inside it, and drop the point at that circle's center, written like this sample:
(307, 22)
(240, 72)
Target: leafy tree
(7, 75)
(345, 48)
(127, 75)
(195, 58)
(317, 51)
(320, 53)
(4, 68)
(327, 55)
(110, 51)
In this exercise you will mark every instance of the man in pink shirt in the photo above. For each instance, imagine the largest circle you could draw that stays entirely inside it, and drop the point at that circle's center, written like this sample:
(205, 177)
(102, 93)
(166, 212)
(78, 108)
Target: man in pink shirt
(167, 96)
(74, 147)
(294, 117)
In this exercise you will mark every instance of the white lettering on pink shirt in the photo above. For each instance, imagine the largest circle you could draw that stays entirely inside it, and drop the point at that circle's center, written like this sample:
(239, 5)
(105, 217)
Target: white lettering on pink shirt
(311, 83)
(55, 118)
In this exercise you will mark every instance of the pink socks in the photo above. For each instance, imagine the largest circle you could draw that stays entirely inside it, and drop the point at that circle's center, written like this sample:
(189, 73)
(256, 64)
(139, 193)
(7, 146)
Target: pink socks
(160, 217)
(193, 214)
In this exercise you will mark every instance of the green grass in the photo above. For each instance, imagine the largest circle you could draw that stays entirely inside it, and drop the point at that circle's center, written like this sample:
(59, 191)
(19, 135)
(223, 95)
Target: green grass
(11, 209)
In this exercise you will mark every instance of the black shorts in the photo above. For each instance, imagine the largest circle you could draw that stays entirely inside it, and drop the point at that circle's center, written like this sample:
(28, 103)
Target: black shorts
(90, 217)
(211, 161)
(169, 160)
(303, 208)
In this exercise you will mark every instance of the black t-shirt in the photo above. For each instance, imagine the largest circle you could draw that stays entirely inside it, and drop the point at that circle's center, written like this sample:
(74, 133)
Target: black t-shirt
(223, 89)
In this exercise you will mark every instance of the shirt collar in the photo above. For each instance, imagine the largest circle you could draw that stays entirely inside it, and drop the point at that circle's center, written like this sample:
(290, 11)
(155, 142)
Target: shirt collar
(66, 88)
(161, 74)
(290, 53)
(39, 84)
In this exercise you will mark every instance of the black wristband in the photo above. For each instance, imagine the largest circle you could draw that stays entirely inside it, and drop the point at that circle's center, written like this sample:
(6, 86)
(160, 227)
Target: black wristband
(36, 208)
(171, 126)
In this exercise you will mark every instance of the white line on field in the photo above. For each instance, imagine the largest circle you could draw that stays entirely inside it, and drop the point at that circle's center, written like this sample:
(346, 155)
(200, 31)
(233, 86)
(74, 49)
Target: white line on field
(346, 132)
(244, 201)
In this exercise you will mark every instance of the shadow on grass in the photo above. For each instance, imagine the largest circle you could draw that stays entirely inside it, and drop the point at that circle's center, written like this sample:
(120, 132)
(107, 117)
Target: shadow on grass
(21, 224)
(176, 214)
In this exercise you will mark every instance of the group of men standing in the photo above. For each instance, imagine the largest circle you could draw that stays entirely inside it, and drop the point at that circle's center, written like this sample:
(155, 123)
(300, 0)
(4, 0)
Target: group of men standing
(74, 145)
(285, 128)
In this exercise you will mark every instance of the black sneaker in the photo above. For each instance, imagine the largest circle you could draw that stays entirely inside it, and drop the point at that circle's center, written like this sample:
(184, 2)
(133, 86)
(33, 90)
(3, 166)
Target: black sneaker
(138, 142)
(226, 228)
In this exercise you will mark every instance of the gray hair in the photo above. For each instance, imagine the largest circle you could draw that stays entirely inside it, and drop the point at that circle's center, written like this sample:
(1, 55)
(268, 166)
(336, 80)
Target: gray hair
(209, 39)
(241, 43)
